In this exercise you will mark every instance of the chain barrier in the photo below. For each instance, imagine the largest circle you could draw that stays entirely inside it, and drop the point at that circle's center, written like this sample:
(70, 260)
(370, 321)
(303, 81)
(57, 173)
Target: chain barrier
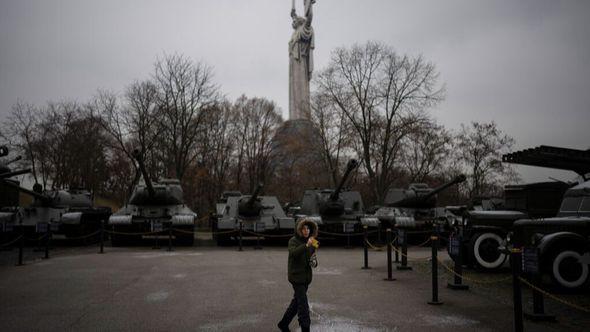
(481, 282)
(11, 242)
(554, 297)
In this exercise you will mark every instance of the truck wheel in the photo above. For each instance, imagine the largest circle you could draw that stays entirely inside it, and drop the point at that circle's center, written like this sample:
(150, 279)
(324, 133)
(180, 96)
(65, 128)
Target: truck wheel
(484, 250)
(567, 270)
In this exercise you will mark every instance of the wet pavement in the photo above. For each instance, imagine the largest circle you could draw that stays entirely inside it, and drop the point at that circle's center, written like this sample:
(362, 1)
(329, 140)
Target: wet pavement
(221, 289)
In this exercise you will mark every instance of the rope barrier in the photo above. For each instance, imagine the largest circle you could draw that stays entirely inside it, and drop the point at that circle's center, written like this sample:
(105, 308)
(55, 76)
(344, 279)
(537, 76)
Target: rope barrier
(414, 258)
(378, 248)
(554, 297)
(83, 236)
(482, 282)
(215, 233)
(347, 234)
(267, 235)
(124, 233)
(37, 239)
(11, 242)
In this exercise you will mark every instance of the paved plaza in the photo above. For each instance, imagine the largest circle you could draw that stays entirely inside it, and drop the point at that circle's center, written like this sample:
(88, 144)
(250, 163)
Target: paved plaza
(221, 289)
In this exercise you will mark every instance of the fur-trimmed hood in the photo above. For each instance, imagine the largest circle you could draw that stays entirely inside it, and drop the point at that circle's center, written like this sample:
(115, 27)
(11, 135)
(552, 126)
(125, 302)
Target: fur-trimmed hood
(313, 227)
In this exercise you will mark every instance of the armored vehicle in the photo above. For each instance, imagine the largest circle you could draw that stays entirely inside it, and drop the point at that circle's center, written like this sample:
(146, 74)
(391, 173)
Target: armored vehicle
(485, 227)
(335, 210)
(70, 212)
(414, 207)
(153, 207)
(255, 214)
(561, 245)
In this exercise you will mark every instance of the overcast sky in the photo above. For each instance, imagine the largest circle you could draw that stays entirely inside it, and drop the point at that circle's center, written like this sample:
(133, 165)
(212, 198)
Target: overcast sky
(523, 64)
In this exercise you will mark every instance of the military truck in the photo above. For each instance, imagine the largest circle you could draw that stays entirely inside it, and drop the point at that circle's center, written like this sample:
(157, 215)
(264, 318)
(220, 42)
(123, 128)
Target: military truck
(560, 245)
(71, 212)
(415, 207)
(256, 213)
(485, 227)
(153, 207)
(337, 211)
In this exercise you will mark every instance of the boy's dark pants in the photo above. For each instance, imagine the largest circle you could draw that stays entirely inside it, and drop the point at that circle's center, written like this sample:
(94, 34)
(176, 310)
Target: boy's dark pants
(298, 306)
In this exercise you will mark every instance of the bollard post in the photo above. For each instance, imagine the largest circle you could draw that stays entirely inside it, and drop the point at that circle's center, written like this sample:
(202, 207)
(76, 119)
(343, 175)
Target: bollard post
(538, 314)
(101, 237)
(258, 246)
(396, 242)
(458, 275)
(434, 240)
(170, 237)
(240, 237)
(21, 244)
(516, 261)
(388, 239)
(48, 238)
(404, 266)
(366, 248)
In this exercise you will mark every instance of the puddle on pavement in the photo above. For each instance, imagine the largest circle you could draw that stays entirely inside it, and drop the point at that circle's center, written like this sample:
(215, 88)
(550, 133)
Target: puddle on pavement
(157, 296)
(327, 271)
(447, 320)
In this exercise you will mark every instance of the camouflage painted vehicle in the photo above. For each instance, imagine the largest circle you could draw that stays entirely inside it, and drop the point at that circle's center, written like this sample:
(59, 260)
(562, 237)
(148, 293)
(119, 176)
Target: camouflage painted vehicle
(256, 213)
(153, 207)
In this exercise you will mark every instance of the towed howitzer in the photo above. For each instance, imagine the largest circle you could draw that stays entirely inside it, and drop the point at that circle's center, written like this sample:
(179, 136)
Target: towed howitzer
(251, 207)
(334, 205)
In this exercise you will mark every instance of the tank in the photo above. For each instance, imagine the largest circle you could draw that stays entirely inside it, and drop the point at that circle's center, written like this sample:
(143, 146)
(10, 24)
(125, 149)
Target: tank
(414, 207)
(153, 207)
(256, 212)
(335, 210)
(70, 212)
(557, 249)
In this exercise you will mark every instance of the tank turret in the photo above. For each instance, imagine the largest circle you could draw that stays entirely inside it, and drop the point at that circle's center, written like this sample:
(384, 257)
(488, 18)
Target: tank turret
(250, 207)
(334, 205)
(419, 195)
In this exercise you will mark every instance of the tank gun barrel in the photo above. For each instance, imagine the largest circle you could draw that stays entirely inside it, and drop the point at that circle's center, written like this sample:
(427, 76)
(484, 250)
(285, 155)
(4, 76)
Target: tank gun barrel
(148, 182)
(41, 197)
(458, 179)
(14, 173)
(352, 164)
(17, 158)
(255, 194)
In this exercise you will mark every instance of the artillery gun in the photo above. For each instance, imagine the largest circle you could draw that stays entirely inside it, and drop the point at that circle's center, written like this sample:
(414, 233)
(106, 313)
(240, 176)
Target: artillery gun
(335, 210)
(559, 247)
(70, 212)
(414, 207)
(254, 213)
(152, 206)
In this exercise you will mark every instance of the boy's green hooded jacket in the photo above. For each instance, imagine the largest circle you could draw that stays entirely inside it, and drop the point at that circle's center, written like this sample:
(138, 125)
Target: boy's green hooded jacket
(299, 270)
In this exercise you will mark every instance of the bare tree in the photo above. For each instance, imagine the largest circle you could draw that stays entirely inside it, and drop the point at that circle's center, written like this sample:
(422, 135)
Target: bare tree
(384, 96)
(480, 147)
(425, 151)
(20, 131)
(256, 121)
(334, 132)
(185, 89)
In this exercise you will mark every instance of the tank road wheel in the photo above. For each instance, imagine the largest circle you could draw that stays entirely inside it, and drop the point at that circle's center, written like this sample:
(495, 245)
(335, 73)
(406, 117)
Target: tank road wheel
(567, 271)
(484, 251)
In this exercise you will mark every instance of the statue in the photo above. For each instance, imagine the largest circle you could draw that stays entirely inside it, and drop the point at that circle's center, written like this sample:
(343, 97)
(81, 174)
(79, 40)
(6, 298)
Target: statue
(301, 48)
